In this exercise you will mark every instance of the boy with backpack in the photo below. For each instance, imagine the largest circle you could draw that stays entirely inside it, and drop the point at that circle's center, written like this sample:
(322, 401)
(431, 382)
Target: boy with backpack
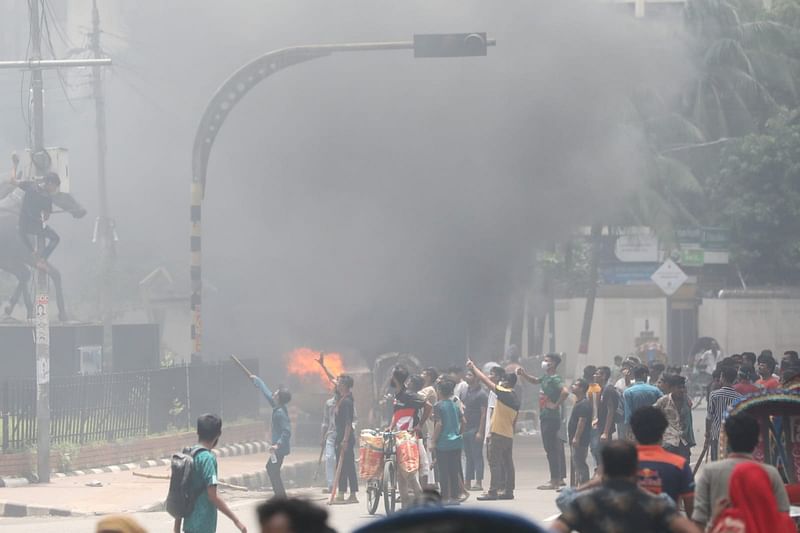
(193, 497)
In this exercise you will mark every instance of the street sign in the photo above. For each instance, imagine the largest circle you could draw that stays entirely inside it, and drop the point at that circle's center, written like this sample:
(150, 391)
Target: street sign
(692, 257)
(637, 248)
(669, 277)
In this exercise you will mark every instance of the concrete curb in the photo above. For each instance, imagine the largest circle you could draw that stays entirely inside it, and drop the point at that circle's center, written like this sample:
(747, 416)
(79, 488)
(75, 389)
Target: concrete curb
(295, 475)
(230, 450)
(12, 482)
(16, 510)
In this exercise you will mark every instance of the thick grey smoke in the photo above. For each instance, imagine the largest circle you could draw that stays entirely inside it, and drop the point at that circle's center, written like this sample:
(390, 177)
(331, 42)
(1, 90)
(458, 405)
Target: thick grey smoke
(366, 202)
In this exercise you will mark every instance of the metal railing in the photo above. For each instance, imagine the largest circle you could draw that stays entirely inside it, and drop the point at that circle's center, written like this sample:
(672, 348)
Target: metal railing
(109, 407)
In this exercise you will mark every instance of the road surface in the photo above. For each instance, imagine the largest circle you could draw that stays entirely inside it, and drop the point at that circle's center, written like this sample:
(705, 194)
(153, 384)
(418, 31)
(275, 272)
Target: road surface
(531, 472)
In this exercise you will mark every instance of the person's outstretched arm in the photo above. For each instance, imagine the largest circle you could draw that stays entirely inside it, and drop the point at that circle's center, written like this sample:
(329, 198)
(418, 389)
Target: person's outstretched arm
(527, 377)
(328, 373)
(481, 376)
(258, 382)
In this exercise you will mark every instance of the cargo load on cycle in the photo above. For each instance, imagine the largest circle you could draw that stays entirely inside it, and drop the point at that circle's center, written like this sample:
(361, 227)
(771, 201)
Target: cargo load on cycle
(391, 459)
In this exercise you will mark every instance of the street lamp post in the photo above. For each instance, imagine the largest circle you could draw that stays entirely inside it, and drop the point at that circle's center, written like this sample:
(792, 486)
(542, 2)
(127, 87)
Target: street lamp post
(253, 73)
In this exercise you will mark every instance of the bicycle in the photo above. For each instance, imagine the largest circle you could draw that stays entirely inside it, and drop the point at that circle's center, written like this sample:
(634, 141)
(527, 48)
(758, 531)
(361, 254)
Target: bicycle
(386, 486)
(698, 386)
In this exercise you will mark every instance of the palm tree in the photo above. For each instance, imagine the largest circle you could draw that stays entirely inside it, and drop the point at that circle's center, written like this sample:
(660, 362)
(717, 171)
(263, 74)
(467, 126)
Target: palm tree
(746, 67)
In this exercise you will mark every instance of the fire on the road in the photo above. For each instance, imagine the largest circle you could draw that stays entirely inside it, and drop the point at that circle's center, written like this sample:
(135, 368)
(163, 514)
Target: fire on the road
(302, 363)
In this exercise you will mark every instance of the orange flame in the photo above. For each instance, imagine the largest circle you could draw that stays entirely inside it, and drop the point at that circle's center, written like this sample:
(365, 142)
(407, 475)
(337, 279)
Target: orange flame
(302, 362)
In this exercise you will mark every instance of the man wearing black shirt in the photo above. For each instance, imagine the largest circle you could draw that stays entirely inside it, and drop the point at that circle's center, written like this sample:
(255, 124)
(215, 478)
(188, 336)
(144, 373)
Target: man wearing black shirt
(579, 431)
(343, 419)
(609, 400)
(37, 206)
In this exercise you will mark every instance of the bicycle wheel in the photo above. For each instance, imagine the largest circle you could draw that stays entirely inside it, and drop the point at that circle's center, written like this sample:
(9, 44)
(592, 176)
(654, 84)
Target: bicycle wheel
(373, 496)
(389, 487)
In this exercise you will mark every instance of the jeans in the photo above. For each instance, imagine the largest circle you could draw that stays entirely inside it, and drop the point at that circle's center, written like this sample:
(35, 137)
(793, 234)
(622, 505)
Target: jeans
(579, 465)
(473, 453)
(501, 464)
(274, 473)
(623, 430)
(594, 446)
(50, 236)
(553, 447)
(448, 464)
(348, 474)
(713, 449)
(330, 458)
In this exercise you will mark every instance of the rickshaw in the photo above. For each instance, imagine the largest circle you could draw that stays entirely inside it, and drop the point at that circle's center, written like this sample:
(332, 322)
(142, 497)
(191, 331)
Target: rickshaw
(778, 414)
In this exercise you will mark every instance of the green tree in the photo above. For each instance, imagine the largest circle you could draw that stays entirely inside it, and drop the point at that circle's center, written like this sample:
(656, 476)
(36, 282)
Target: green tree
(746, 66)
(757, 195)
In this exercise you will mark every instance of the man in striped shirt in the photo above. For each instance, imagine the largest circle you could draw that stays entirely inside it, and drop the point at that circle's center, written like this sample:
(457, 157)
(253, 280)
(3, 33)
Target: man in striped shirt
(718, 403)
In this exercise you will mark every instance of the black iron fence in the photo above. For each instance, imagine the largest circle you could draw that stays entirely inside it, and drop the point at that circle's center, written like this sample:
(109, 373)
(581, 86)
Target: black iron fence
(108, 407)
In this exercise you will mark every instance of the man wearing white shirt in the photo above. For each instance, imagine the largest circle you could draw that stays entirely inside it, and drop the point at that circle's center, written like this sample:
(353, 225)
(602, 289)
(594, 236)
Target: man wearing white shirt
(496, 374)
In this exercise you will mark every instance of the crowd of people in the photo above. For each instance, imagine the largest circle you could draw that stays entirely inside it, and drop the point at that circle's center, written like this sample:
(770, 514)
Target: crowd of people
(634, 423)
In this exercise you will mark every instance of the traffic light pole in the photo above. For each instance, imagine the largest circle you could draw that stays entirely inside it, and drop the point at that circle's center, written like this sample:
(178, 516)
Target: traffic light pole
(105, 229)
(253, 73)
(35, 65)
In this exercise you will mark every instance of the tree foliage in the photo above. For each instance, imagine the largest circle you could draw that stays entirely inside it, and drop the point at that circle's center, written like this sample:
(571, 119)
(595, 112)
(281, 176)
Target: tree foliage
(757, 195)
(727, 150)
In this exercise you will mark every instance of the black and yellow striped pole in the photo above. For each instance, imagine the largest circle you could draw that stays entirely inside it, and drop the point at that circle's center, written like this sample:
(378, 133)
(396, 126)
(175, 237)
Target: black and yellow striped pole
(250, 75)
(196, 268)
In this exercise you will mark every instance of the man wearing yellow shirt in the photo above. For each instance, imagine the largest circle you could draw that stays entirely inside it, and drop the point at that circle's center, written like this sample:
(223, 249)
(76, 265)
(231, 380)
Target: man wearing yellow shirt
(501, 435)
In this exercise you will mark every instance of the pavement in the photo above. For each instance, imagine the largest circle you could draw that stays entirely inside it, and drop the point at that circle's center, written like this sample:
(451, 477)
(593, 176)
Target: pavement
(129, 495)
(123, 492)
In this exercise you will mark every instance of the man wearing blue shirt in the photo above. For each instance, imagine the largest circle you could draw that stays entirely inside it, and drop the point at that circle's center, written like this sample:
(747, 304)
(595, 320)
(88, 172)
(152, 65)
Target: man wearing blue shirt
(640, 394)
(281, 433)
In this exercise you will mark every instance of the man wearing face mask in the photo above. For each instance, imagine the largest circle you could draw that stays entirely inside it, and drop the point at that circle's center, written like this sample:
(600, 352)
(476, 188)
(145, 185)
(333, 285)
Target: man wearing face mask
(551, 397)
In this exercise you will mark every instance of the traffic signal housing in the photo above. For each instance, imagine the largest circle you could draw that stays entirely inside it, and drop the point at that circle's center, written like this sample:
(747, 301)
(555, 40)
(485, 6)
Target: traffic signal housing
(450, 45)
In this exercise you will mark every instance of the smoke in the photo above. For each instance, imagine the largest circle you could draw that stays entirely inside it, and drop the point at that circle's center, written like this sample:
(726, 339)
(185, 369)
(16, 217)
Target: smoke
(365, 202)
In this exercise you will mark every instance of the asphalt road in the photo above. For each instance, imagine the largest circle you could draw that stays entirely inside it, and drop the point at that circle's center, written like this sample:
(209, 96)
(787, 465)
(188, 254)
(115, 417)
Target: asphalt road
(532, 503)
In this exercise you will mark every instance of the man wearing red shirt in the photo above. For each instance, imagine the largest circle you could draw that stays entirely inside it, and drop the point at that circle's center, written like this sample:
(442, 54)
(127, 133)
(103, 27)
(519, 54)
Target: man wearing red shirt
(745, 385)
(766, 369)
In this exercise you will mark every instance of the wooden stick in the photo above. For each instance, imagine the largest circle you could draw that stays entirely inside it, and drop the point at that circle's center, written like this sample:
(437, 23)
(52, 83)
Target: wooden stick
(702, 456)
(319, 461)
(244, 368)
(336, 477)
(149, 476)
(220, 483)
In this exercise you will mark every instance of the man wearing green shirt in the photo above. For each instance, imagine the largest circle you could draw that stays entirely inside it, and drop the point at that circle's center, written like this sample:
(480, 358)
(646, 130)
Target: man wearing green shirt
(203, 518)
(551, 397)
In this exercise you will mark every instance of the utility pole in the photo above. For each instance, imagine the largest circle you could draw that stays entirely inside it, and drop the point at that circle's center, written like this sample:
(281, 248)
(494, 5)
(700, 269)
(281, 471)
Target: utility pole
(35, 64)
(42, 289)
(105, 226)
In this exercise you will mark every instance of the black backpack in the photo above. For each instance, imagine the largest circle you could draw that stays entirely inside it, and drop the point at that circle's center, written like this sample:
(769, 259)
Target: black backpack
(181, 497)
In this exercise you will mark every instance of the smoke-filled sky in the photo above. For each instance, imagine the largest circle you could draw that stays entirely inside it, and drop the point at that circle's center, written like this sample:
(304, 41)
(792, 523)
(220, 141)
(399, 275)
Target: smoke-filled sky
(367, 202)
